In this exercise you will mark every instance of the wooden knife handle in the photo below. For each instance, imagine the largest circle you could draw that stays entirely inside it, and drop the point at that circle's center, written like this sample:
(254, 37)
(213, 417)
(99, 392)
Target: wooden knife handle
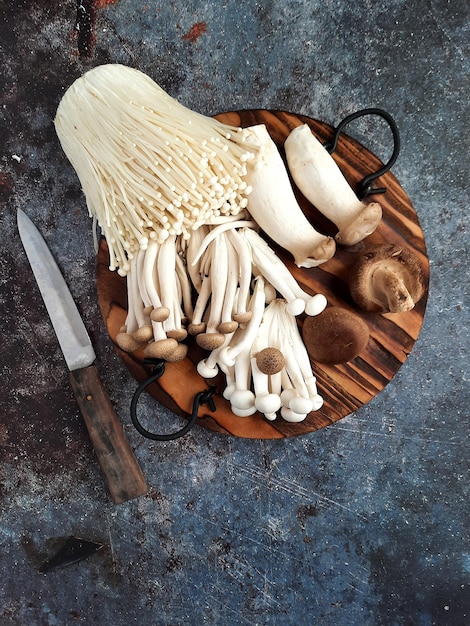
(118, 463)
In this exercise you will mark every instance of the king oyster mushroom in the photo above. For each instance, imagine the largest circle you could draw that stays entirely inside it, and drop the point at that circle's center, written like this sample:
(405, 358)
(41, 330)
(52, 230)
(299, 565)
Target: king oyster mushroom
(319, 178)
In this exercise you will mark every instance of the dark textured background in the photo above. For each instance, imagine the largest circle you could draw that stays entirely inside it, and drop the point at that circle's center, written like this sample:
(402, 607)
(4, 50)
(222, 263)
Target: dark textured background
(362, 523)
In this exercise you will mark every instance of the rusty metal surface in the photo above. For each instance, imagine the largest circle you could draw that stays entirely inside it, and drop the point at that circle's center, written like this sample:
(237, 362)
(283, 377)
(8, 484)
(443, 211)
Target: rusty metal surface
(364, 522)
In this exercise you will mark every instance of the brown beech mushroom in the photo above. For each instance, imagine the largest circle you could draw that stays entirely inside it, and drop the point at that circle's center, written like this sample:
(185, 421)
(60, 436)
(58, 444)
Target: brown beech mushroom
(386, 278)
(335, 336)
(270, 361)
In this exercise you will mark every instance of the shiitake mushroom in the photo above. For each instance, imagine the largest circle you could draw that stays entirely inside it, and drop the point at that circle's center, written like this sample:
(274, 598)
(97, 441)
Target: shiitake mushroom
(386, 278)
(335, 336)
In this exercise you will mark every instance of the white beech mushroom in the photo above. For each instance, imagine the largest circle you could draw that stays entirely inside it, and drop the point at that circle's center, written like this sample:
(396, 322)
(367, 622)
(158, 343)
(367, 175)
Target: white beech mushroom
(273, 205)
(276, 273)
(300, 395)
(321, 181)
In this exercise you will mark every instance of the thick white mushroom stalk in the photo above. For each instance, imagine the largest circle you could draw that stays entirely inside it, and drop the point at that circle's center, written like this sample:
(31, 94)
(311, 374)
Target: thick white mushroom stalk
(171, 192)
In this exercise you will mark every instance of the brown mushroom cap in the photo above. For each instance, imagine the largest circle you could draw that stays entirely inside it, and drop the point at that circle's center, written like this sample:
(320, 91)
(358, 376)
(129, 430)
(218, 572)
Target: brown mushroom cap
(179, 334)
(270, 360)
(335, 336)
(143, 334)
(160, 314)
(161, 349)
(386, 278)
(127, 342)
(227, 327)
(210, 341)
(178, 354)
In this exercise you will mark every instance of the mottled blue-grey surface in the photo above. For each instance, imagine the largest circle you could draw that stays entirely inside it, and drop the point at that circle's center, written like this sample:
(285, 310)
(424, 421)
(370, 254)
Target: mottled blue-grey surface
(363, 523)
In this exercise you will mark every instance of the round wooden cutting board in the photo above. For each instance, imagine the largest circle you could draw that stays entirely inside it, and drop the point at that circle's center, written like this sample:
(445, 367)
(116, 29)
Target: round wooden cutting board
(344, 388)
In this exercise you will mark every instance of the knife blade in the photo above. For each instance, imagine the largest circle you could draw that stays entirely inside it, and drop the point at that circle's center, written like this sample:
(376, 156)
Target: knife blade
(121, 470)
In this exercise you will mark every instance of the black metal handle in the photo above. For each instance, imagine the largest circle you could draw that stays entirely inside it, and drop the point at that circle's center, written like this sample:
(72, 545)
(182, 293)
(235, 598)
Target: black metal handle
(365, 185)
(203, 397)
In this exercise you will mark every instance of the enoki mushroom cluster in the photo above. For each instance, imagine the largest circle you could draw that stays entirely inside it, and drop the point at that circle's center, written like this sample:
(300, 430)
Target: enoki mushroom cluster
(149, 167)
(179, 198)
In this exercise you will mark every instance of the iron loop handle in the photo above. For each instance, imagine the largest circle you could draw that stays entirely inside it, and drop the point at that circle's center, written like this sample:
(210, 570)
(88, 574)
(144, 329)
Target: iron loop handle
(365, 185)
(203, 397)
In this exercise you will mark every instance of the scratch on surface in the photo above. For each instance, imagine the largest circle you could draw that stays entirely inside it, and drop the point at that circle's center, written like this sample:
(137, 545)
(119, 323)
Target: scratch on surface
(450, 39)
(111, 546)
(296, 490)
(396, 435)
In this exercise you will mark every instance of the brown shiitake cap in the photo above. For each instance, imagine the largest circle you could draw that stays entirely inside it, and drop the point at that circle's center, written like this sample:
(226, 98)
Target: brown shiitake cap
(335, 336)
(386, 278)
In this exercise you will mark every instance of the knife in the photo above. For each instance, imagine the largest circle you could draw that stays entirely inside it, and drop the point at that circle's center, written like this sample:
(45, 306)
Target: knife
(117, 460)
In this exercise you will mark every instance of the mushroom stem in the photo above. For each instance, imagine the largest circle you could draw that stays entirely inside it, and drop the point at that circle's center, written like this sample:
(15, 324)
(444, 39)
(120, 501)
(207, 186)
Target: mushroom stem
(227, 323)
(276, 273)
(242, 249)
(321, 181)
(386, 278)
(273, 205)
(242, 400)
(212, 338)
(229, 355)
(197, 324)
(387, 286)
(265, 402)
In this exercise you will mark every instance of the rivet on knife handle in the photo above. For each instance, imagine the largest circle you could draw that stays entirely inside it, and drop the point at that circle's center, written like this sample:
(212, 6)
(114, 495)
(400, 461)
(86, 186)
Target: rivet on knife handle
(123, 474)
